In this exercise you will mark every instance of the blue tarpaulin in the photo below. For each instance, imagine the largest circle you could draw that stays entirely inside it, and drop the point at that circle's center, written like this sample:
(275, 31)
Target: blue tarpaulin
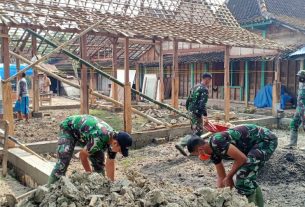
(263, 98)
(13, 70)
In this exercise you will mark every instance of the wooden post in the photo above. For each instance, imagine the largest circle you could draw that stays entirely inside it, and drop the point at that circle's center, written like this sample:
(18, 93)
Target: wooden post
(276, 88)
(127, 91)
(161, 65)
(137, 81)
(84, 104)
(92, 98)
(175, 81)
(7, 87)
(35, 84)
(5, 148)
(227, 83)
(114, 86)
(4, 53)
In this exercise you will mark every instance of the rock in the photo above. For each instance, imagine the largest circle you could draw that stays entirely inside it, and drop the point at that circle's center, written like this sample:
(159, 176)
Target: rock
(68, 189)
(40, 194)
(64, 204)
(155, 197)
(173, 121)
(172, 205)
(72, 205)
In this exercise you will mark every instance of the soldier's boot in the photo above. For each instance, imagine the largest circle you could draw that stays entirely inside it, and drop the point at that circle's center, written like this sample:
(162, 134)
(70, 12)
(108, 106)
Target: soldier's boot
(293, 140)
(256, 197)
(252, 198)
(52, 179)
(182, 144)
(259, 197)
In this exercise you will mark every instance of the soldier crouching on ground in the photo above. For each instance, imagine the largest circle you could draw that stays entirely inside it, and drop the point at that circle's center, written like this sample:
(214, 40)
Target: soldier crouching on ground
(96, 136)
(249, 145)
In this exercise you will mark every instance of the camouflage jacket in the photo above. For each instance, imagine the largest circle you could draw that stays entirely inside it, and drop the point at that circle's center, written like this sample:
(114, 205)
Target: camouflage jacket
(244, 137)
(90, 132)
(197, 100)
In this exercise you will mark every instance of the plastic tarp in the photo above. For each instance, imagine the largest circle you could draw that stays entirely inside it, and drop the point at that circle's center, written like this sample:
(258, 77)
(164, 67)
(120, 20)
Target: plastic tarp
(13, 70)
(263, 98)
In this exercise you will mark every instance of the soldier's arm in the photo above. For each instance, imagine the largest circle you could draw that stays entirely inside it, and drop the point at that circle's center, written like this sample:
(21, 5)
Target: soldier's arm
(221, 174)
(110, 168)
(110, 164)
(83, 156)
(239, 159)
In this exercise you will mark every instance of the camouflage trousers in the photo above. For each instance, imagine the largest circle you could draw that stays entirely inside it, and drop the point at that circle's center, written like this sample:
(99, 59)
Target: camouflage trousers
(196, 124)
(65, 149)
(246, 175)
(298, 117)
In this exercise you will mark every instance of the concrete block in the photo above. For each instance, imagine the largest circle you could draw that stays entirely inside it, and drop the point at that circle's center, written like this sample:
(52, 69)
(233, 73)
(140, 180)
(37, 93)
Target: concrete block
(37, 114)
(269, 122)
(30, 165)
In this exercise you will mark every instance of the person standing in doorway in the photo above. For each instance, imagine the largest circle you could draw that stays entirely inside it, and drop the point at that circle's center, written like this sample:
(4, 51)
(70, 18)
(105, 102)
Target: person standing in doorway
(196, 105)
(46, 83)
(23, 97)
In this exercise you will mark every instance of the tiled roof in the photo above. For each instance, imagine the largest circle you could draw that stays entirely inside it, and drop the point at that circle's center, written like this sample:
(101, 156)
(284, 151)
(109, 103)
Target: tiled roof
(289, 12)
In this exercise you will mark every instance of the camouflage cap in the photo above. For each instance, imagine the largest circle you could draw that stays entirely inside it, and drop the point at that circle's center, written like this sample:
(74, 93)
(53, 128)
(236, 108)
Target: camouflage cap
(301, 73)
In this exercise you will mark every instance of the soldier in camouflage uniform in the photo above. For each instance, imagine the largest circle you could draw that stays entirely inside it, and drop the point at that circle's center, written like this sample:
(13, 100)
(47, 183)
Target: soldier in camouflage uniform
(298, 118)
(196, 105)
(249, 145)
(96, 137)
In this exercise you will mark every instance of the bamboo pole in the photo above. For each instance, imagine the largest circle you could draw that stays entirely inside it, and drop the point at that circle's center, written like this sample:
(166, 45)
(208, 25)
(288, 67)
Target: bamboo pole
(60, 47)
(91, 92)
(71, 55)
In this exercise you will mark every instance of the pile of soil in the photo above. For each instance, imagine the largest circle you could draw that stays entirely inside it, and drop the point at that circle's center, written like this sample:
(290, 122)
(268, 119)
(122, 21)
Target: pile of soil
(286, 166)
(136, 190)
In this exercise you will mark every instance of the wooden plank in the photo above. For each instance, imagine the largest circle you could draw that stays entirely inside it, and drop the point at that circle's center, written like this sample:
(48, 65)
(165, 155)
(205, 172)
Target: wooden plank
(127, 91)
(114, 86)
(175, 82)
(227, 83)
(84, 106)
(161, 88)
(35, 89)
(8, 110)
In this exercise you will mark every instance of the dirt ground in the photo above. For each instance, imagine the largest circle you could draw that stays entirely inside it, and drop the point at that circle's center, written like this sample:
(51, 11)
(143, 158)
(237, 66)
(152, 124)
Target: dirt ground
(282, 179)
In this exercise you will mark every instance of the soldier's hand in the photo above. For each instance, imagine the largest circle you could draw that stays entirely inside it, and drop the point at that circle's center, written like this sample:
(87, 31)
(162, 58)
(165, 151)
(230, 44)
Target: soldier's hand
(228, 182)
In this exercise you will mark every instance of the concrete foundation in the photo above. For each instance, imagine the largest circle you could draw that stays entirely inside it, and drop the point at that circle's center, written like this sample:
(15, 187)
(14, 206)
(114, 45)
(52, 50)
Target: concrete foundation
(30, 169)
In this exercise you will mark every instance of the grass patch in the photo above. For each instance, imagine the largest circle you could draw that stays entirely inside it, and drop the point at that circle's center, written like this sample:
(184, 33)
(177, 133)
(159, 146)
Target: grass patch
(115, 120)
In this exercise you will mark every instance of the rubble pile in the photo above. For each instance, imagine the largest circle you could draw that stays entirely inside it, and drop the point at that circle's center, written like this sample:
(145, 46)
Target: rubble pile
(94, 190)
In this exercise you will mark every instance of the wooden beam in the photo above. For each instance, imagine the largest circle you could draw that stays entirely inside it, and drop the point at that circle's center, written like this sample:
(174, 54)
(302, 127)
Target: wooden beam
(137, 81)
(175, 78)
(227, 83)
(93, 93)
(161, 65)
(7, 88)
(35, 84)
(196, 50)
(84, 103)
(276, 88)
(4, 53)
(127, 91)
(114, 86)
